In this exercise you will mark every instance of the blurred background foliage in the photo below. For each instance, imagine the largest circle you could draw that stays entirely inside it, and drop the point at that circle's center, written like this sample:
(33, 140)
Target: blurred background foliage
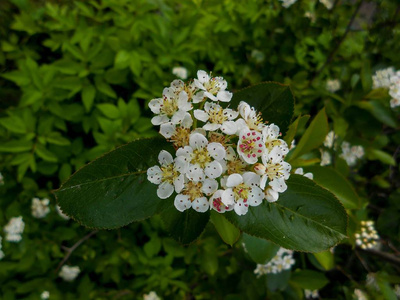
(75, 81)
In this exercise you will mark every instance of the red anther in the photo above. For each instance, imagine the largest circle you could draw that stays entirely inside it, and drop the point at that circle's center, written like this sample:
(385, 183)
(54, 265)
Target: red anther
(259, 145)
(253, 133)
(248, 134)
(258, 138)
(254, 155)
(259, 151)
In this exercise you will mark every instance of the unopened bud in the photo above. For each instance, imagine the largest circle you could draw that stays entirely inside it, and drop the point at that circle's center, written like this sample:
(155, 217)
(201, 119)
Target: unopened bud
(259, 169)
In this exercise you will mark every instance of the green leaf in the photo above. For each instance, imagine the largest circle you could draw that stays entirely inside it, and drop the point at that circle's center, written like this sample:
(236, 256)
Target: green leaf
(16, 146)
(113, 190)
(381, 113)
(376, 154)
(334, 182)
(308, 279)
(56, 139)
(260, 250)
(228, 233)
(275, 102)
(305, 218)
(292, 130)
(88, 95)
(14, 124)
(326, 259)
(185, 227)
(313, 137)
(109, 110)
(45, 154)
(105, 88)
(122, 59)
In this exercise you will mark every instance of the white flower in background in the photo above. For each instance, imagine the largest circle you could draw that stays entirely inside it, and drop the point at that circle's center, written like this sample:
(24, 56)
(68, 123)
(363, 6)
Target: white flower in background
(151, 296)
(287, 3)
(360, 295)
(1, 179)
(397, 290)
(394, 103)
(311, 15)
(351, 154)
(328, 3)
(170, 176)
(330, 139)
(300, 171)
(326, 158)
(60, 213)
(367, 237)
(216, 117)
(242, 191)
(14, 229)
(180, 72)
(1, 251)
(381, 79)
(283, 260)
(251, 119)
(69, 273)
(204, 158)
(250, 145)
(40, 208)
(45, 295)
(332, 85)
(309, 294)
(371, 281)
(211, 87)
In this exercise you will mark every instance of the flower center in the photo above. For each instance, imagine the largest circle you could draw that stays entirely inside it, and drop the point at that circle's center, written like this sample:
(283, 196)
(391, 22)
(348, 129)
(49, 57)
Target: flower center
(193, 190)
(181, 137)
(236, 166)
(250, 144)
(271, 144)
(201, 157)
(217, 203)
(241, 191)
(169, 173)
(254, 120)
(217, 115)
(169, 107)
(274, 170)
(212, 86)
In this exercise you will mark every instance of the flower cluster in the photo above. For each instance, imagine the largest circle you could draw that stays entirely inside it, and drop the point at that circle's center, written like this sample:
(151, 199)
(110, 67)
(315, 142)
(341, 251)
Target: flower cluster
(225, 159)
(367, 238)
(351, 153)
(40, 208)
(309, 294)
(283, 260)
(328, 3)
(333, 85)
(45, 295)
(14, 229)
(1, 251)
(389, 79)
(69, 273)
(287, 3)
(151, 296)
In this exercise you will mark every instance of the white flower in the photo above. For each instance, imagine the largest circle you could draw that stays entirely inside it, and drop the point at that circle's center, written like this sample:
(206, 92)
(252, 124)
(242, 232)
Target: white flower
(300, 171)
(311, 294)
(311, 15)
(40, 208)
(394, 103)
(1, 251)
(45, 295)
(330, 139)
(212, 88)
(242, 191)
(276, 170)
(151, 296)
(332, 85)
(271, 139)
(328, 3)
(180, 72)
(283, 260)
(69, 273)
(14, 229)
(250, 145)
(360, 295)
(382, 78)
(194, 195)
(217, 204)
(204, 158)
(287, 3)
(367, 237)
(170, 176)
(216, 117)
(351, 154)
(251, 119)
(326, 158)
(178, 135)
(172, 107)
(60, 213)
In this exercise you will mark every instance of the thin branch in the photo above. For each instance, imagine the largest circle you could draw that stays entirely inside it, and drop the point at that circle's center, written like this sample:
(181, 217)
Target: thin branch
(72, 249)
(365, 265)
(333, 52)
(395, 261)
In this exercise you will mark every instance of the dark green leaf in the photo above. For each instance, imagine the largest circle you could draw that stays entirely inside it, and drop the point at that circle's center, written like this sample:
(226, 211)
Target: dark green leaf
(292, 130)
(16, 146)
(381, 113)
(310, 280)
(88, 95)
(109, 110)
(305, 218)
(113, 190)
(260, 250)
(275, 102)
(229, 233)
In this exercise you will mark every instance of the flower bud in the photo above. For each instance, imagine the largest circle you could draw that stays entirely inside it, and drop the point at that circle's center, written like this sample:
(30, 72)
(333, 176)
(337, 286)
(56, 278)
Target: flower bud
(259, 169)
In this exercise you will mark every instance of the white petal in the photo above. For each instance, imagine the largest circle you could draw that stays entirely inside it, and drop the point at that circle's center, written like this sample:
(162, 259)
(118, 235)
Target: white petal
(221, 82)
(160, 119)
(232, 114)
(230, 154)
(250, 160)
(299, 171)
(177, 84)
(183, 99)
(202, 76)
(201, 204)
(309, 175)
(187, 121)
(211, 126)
(213, 169)
(179, 183)
(201, 115)
(167, 130)
(278, 185)
(251, 179)
(209, 186)
(195, 173)
(240, 124)
(155, 105)
(165, 158)
(182, 202)
(216, 150)
(227, 197)
(197, 141)
(208, 105)
(234, 180)
(286, 169)
(178, 116)
(240, 208)
(263, 181)
(276, 155)
(165, 190)
(185, 152)
(229, 127)
(224, 96)
(169, 93)
(154, 174)
(255, 196)
(199, 97)
(271, 195)
(181, 164)
(210, 96)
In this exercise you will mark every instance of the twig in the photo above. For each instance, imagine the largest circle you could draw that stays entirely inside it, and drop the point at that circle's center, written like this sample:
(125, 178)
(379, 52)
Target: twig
(385, 256)
(330, 57)
(362, 261)
(72, 249)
